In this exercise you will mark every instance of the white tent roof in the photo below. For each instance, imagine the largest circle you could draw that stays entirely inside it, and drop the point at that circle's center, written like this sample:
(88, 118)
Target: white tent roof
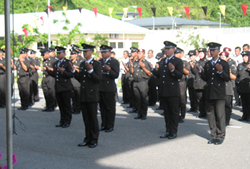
(90, 23)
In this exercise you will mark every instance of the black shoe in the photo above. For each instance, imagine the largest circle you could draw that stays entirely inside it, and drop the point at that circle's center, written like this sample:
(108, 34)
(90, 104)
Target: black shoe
(218, 142)
(165, 135)
(151, 104)
(159, 108)
(191, 110)
(22, 108)
(242, 119)
(236, 104)
(202, 116)
(248, 119)
(212, 141)
(82, 144)
(49, 110)
(138, 117)
(45, 109)
(173, 136)
(36, 100)
(102, 128)
(109, 130)
(181, 120)
(133, 111)
(143, 118)
(92, 145)
(65, 125)
(59, 125)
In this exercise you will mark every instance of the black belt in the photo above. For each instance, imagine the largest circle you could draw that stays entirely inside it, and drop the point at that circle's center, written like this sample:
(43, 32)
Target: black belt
(139, 80)
(2, 73)
(22, 76)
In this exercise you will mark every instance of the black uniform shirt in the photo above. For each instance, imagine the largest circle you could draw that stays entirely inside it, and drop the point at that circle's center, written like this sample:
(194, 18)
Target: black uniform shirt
(49, 62)
(75, 82)
(139, 74)
(199, 83)
(243, 78)
(20, 70)
(2, 60)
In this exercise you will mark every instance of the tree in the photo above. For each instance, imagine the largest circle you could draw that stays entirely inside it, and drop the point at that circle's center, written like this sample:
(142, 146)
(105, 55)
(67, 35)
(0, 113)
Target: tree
(99, 40)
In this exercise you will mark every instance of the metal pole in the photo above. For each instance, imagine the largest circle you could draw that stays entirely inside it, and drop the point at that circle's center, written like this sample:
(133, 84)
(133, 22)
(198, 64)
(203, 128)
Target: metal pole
(8, 86)
(220, 20)
(48, 24)
(153, 23)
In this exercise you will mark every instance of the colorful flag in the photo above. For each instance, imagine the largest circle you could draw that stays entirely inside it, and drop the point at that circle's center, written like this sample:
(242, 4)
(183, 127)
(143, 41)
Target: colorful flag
(223, 10)
(110, 11)
(170, 10)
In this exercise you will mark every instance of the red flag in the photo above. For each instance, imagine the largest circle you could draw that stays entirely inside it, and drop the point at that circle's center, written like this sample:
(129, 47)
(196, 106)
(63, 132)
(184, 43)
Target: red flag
(49, 8)
(25, 32)
(11, 51)
(95, 10)
(244, 8)
(42, 19)
(139, 11)
(187, 9)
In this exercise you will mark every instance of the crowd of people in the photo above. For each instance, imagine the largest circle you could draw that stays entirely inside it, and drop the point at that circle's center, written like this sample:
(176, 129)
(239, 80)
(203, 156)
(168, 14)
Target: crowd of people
(79, 84)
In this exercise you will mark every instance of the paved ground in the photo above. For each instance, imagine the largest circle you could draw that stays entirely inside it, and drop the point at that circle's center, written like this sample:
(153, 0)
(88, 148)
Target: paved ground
(134, 144)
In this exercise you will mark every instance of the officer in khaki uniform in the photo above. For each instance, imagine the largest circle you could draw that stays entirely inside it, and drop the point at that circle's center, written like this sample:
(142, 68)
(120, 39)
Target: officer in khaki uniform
(169, 71)
(89, 76)
(62, 71)
(22, 67)
(110, 72)
(216, 74)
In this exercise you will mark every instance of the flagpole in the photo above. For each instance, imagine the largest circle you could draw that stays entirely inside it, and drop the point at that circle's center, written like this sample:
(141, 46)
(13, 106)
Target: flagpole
(9, 130)
(48, 23)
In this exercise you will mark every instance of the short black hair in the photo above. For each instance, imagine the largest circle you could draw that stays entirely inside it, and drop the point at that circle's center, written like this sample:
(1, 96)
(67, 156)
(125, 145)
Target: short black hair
(238, 48)
(113, 52)
(151, 50)
(246, 45)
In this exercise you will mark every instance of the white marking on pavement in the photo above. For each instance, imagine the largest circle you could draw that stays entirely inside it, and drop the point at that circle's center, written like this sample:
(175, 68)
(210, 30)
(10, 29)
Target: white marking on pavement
(236, 127)
(202, 124)
(120, 117)
(31, 110)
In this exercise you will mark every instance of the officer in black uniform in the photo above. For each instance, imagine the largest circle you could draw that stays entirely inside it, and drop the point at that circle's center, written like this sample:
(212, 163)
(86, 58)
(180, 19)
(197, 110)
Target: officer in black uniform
(35, 76)
(140, 69)
(110, 71)
(31, 71)
(76, 98)
(2, 80)
(62, 71)
(79, 52)
(243, 87)
(22, 67)
(190, 83)
(199, 83)
(169, 71)
(229, 85)
(215, 73)
(89, 76)
(48, 82)
(52, 53)
(179, 53)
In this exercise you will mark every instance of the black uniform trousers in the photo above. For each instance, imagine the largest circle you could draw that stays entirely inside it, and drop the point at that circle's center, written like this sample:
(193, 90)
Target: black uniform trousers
(24, 90)
(76, 99)
(200, 95)
(63, 100)
(192, 98)
(216, 118)
(89, 114)
(152, 92)
(183, 98)
(34, 87)
(108, 109)
(237, 96)
(228, 107)
(2, 90)
(125, 96)
(48, 86)
(171, 113)
(141, 97)
(245, 98)
(131, 94)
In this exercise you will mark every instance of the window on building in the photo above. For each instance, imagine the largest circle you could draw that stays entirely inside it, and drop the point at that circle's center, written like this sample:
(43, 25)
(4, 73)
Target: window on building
(156, 28)
(1, 38)
(162, 28)
(113, 45)
(120, 45)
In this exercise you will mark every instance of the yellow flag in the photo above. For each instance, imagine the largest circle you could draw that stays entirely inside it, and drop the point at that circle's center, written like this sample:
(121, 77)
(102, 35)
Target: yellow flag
(125, 10)
(170, 10)
(64, 9)
(35, 21)
(110, 11)
(31, 29)
(3, 47)
(223, 9)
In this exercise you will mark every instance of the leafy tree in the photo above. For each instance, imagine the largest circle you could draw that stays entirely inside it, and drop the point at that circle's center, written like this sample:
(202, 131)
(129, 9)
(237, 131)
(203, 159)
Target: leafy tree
(99, 40)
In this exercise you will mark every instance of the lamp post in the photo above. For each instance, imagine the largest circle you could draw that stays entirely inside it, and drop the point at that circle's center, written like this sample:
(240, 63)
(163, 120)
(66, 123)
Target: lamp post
(220, 19)
(174, 20)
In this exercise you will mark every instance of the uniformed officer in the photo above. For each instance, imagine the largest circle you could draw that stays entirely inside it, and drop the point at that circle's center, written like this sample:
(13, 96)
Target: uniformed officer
(22, 67)
(199, 83)
(140, 69)
(110, 71)
(243, 81)
(48, 82)
(2, 80)
(179, 53)
(190, 83)
(52, 53)
(76, 98)
(79, 52)
(124, 79)
(169, 71)
(229, 85)
(215, 73)
(31, 71)
(35, 76)
(90, 77)
(62, 71)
